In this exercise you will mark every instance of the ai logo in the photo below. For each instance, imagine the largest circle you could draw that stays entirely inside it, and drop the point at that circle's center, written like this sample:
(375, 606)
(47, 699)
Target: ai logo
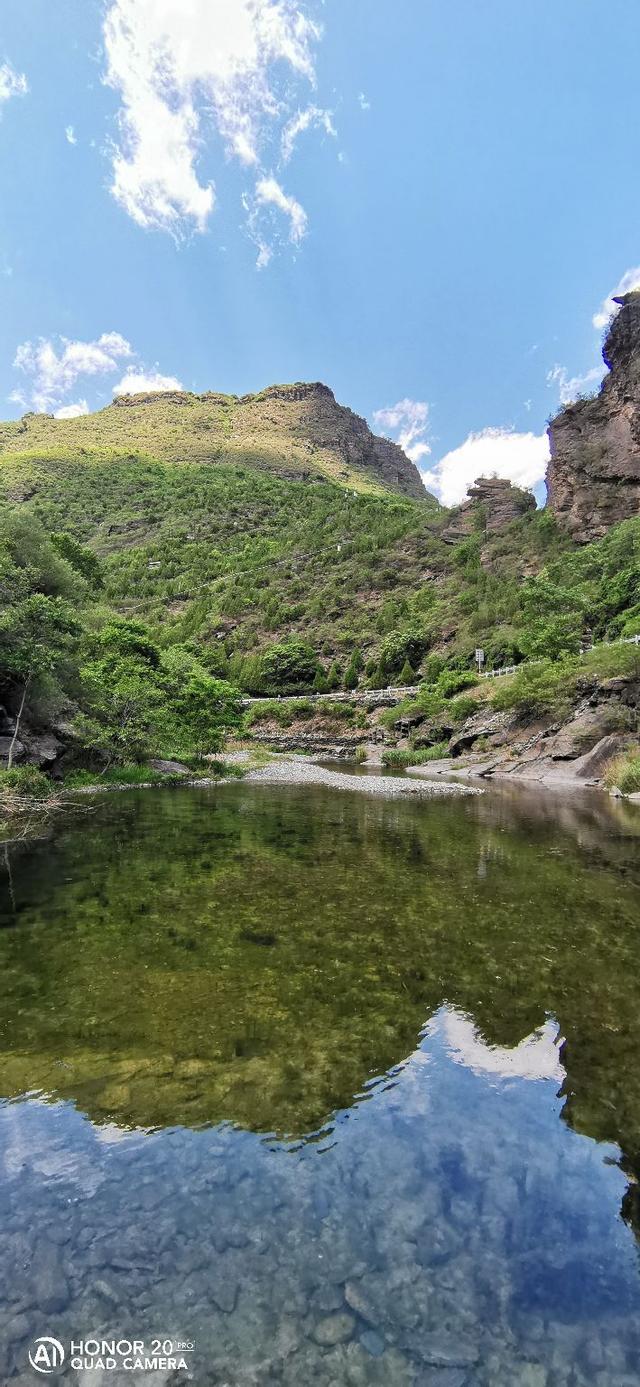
(46, 1355)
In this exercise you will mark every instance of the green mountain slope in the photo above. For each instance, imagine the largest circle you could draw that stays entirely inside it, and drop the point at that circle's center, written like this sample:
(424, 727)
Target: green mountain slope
(247, 567)
(297, 431)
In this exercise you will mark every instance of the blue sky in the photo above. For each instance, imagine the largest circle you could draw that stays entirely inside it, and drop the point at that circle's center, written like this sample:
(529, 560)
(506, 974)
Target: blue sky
(422, 203)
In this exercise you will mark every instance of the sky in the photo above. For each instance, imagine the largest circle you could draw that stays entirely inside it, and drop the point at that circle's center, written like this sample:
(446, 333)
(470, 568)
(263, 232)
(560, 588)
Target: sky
(426, 204)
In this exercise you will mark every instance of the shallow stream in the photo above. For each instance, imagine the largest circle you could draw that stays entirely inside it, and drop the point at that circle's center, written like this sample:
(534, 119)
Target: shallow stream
(337, 1090)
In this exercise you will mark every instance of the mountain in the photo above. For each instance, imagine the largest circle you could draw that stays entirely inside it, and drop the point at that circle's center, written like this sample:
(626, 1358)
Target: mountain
(593, 480)
(276, 542)
(296, 431)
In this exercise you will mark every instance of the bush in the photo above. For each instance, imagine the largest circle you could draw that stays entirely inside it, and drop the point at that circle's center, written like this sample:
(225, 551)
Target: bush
(25, 781)
(453, 681)
(541, 688)
(462, 708)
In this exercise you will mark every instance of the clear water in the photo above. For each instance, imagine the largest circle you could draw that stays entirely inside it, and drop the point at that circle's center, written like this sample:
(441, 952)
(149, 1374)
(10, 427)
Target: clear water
(339, 1090)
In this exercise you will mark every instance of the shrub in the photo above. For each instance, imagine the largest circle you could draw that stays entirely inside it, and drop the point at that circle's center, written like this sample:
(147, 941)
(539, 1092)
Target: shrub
(453, 681)
(462, 708)
(25, 781)
(538, 688)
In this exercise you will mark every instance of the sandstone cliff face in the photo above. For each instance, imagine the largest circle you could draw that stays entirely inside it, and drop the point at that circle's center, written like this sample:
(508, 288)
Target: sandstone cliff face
(298, 431)
(593, 479)
(492, 504)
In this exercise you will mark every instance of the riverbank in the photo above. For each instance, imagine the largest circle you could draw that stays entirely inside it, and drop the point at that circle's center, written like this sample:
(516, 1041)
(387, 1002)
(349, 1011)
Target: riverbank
(294, 770)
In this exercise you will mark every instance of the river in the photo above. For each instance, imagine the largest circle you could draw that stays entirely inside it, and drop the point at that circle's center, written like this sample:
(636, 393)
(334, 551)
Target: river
(328, 1089)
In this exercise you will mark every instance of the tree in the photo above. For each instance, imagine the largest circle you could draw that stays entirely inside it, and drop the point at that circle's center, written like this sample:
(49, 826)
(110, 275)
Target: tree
(333, 677)
(321, 683)
(407, 674)
(288, 667)
(138, 701)
(83, 560)
(408, 645)
(199, 708)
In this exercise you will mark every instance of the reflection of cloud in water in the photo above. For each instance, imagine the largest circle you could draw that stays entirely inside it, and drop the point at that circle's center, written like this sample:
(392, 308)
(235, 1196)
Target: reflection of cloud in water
(536, 1057)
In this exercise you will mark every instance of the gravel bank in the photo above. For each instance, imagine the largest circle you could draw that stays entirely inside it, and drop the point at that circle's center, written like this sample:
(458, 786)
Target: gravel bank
(298, 771)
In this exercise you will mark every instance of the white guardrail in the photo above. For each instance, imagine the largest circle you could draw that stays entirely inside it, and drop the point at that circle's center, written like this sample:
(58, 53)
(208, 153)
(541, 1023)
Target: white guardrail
(406, 690)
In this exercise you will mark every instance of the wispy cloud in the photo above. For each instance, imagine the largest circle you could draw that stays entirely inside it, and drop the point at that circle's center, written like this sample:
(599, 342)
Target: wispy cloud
(51, 370)
(570, 388)
(184, 71)
(12, 83)
(363, 102)
(628, 281)
(407, 423)
(305, 120)
(70, 135)
(494, 452)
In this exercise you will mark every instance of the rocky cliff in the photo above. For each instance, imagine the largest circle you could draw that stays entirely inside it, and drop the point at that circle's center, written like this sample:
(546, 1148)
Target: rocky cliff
(298, 431)
(492, 504)
(593, 480)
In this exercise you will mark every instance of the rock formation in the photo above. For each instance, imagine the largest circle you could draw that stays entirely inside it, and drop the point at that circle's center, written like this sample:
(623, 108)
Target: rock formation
(492, 503)
(593, 480)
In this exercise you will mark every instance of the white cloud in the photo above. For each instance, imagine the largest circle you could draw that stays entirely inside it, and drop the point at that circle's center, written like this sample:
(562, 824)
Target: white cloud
(269, 192)
(629, 280)
(364, 104)
(521, 457)
(571, 387)
(53, 368)
(72, 411)
(406, 423)
(181, 66)
(146, 382)
(303, 120)
(12, 83)
(70, 135)
(53, 372)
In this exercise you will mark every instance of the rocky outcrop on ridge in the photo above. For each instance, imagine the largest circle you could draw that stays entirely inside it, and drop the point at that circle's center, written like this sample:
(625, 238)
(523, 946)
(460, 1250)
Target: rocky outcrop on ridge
(593, 480)
(492, 504)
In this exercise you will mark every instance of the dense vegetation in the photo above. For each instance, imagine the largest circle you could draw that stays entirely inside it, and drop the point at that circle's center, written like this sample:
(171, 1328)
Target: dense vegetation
(138, 594)
(64, 659)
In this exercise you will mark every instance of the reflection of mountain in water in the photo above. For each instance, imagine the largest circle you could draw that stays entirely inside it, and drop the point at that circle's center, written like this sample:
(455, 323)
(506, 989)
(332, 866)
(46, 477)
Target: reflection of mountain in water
(257, 956)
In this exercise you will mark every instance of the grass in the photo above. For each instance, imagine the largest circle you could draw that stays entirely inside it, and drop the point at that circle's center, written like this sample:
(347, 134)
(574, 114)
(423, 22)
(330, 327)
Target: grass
(394, 757)
(623, 773)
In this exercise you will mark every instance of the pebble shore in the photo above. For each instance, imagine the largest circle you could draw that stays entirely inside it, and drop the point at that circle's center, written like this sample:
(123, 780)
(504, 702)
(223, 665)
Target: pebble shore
(299, 771)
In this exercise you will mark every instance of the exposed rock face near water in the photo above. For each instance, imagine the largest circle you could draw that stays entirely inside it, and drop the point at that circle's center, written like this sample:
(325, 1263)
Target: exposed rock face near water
(593, 480)
(492, 504)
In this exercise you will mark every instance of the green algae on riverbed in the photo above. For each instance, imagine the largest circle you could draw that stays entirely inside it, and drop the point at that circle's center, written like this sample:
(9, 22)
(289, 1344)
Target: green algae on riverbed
(257, 954)
(342, 1089)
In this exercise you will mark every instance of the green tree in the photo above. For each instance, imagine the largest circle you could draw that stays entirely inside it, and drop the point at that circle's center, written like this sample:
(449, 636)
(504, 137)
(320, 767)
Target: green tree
(407, 674)
(333, 677)
(288, 667)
